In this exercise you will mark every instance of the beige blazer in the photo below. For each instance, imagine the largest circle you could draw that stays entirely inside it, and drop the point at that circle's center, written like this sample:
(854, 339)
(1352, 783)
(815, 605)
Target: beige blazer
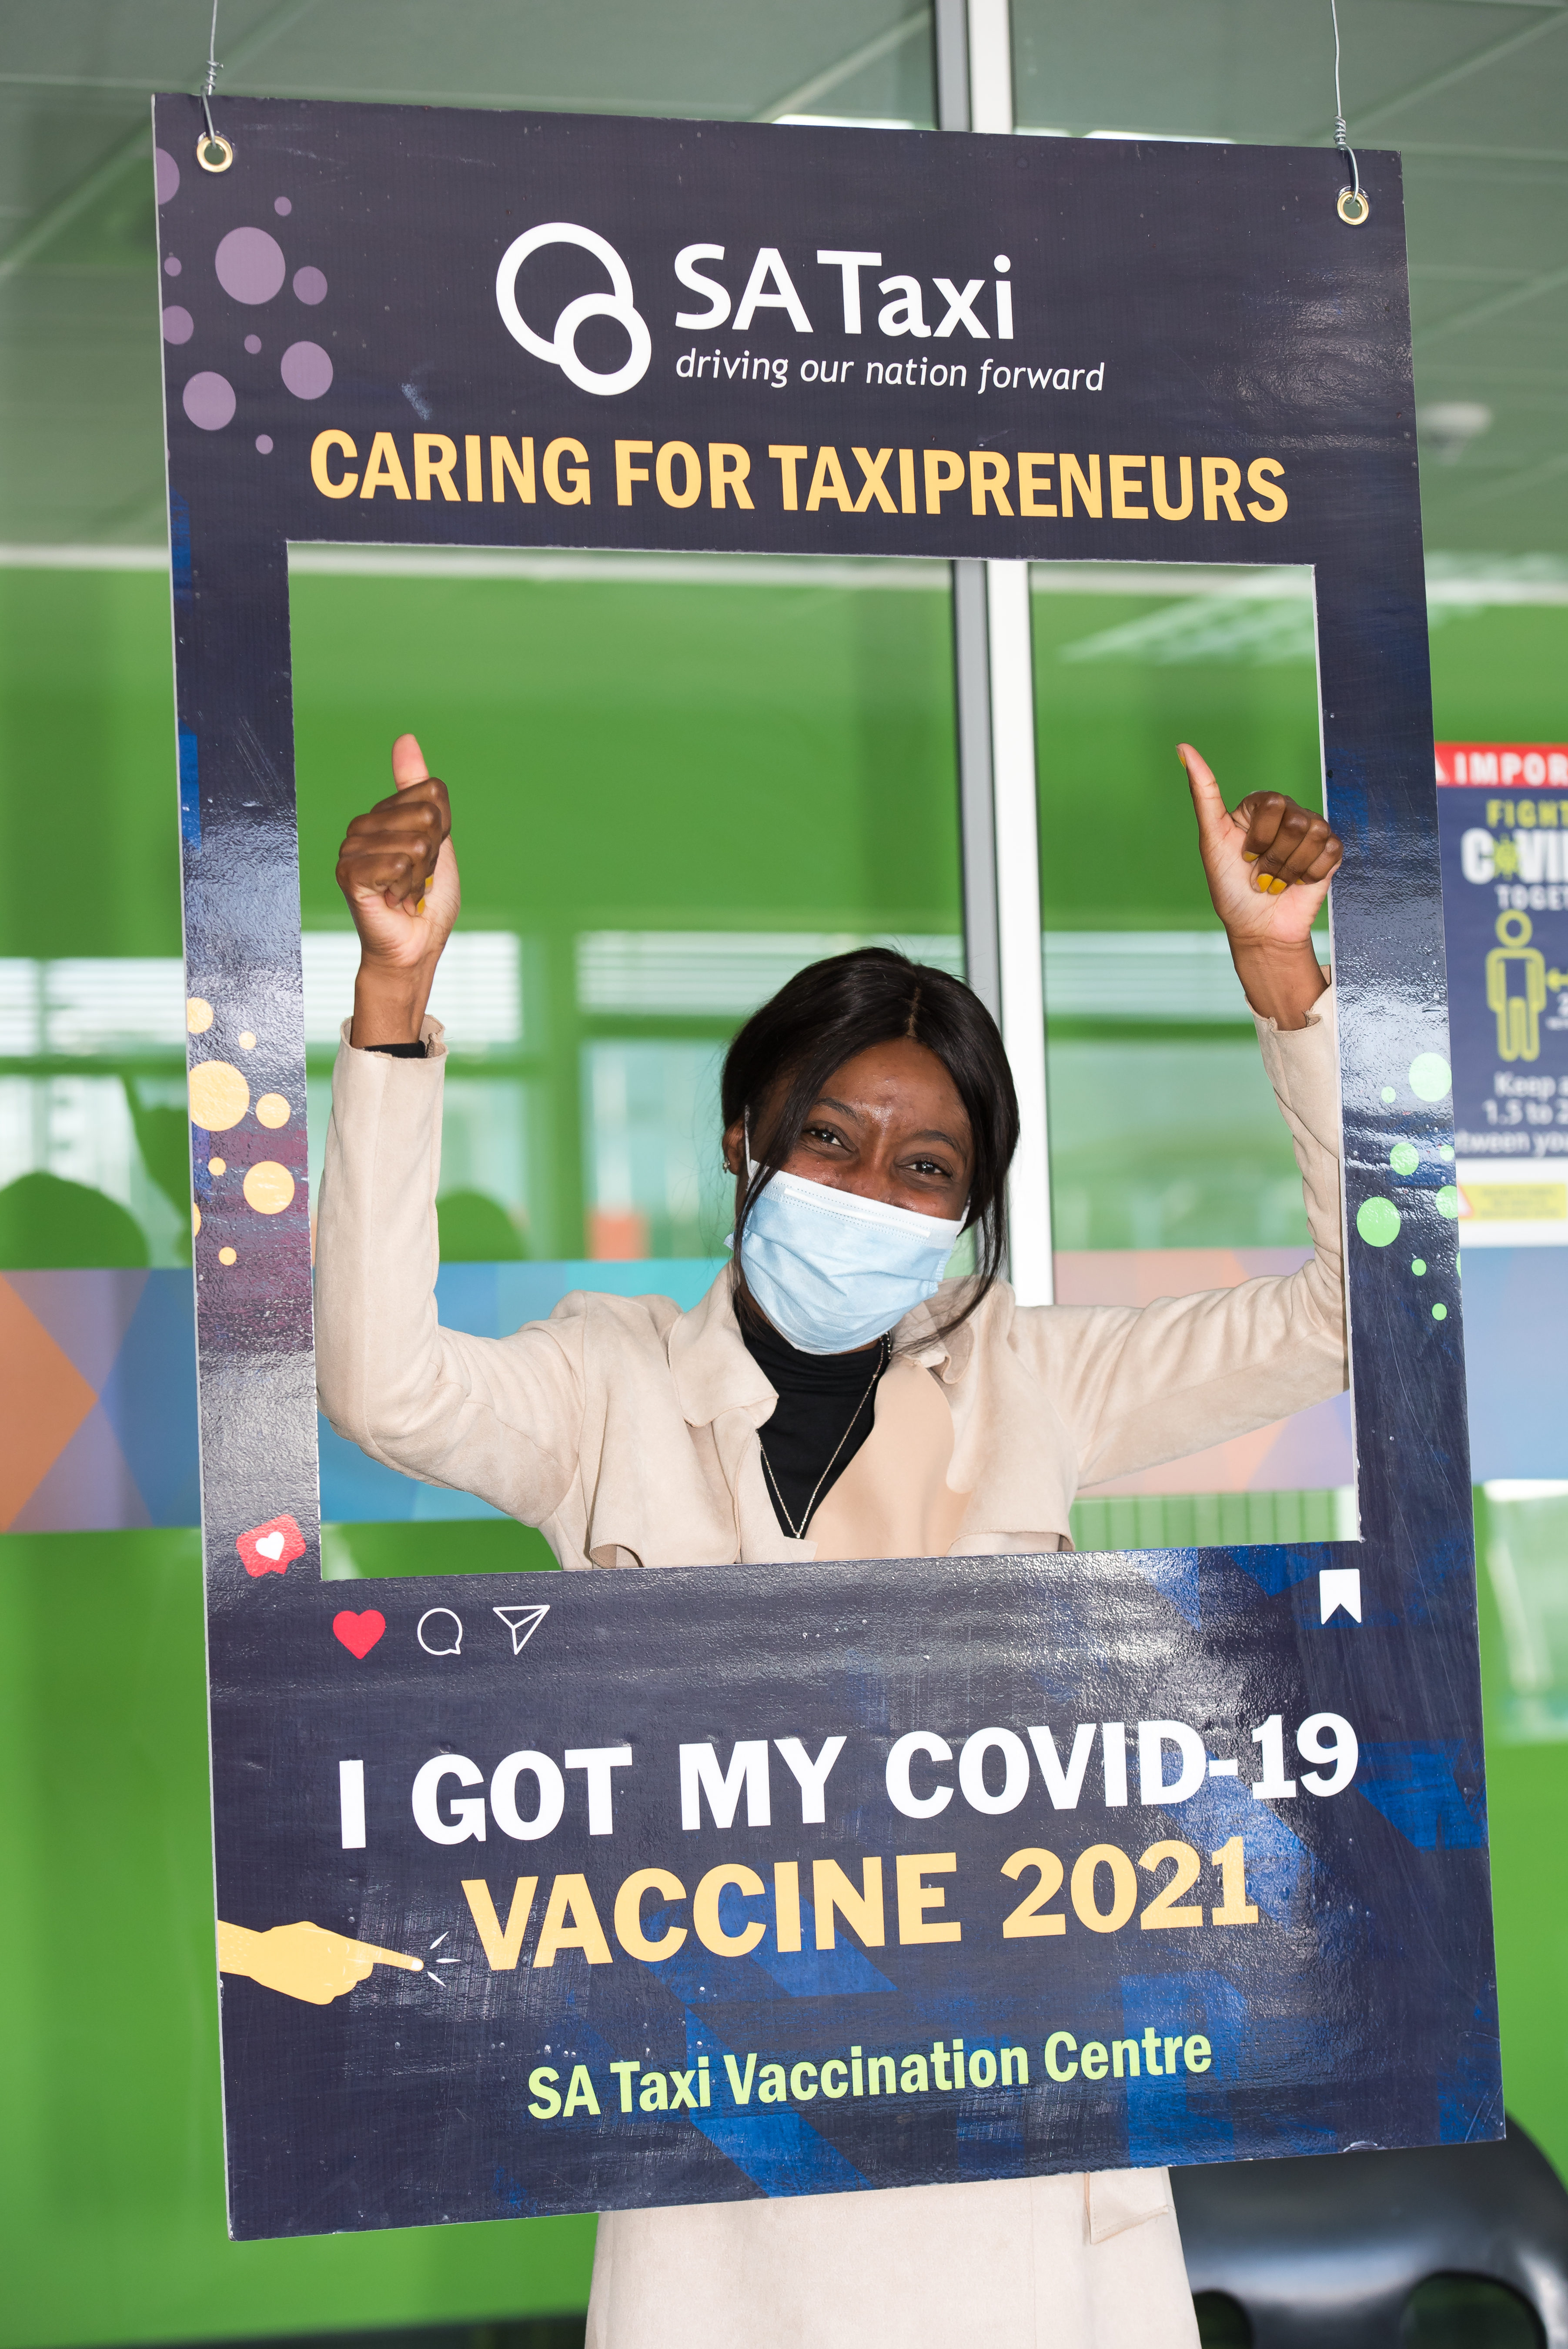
(627, 1430)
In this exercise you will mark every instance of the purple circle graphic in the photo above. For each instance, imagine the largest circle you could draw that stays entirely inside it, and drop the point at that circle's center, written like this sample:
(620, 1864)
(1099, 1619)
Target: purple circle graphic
(253, 344)
(209, 401)
(171, 267)
(309, 285)
(166, 173)
(282, 206)
(264, 443)
(179, 326)
(307, 370)
(250, 264)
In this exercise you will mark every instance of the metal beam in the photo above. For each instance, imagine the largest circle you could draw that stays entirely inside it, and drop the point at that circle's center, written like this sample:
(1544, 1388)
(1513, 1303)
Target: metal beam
(85, 192)
(977, 800)
(1530, 290)
(75, 201)
(833, 77)
(993, 673)
(1364, 118)
(1436, 150)
(1018, 935)
(971, 637)
(971, 634)
(1503, 485)
(952, 37)
(990, 66)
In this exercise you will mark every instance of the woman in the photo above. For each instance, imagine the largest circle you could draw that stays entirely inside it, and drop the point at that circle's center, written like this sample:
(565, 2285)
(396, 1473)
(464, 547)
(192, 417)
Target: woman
(829, 1397)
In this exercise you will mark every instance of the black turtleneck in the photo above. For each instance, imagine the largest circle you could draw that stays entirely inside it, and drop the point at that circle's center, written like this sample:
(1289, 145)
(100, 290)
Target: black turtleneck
(826, 1406)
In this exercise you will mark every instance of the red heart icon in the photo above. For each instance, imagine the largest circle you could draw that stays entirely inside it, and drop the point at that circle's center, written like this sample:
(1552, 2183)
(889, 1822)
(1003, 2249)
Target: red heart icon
(359, 1633)
(270, 1549)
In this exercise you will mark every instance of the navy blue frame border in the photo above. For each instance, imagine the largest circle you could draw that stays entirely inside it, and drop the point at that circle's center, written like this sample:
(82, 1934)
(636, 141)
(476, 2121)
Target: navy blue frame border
(1229, 313)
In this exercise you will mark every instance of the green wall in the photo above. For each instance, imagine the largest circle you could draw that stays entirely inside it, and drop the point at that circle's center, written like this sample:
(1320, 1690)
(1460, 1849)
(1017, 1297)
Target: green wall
(743, 758)
(86, 763)
(638, 755)
(111, 2168)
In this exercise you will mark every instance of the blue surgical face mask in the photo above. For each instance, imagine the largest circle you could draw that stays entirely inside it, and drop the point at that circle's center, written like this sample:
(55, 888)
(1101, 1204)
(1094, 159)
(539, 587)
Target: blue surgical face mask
(833, 1271)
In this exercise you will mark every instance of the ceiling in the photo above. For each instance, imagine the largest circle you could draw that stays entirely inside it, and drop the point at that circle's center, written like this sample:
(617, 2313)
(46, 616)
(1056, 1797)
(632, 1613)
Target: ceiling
(1471, 91)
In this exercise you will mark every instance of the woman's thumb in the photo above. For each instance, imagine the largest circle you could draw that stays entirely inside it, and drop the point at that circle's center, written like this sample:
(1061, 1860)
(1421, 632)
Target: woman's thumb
(408, 762)
(1208, 801)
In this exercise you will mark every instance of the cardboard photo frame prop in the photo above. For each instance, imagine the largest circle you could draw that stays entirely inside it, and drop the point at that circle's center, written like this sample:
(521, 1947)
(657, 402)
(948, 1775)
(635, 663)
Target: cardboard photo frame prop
(774, 1911)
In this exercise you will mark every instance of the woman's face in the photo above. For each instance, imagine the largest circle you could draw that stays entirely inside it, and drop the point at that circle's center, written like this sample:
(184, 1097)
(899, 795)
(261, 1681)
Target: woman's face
(888, 1124)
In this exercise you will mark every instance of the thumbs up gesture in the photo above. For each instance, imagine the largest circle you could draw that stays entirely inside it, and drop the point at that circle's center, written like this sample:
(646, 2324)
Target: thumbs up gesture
(1268, 862)
(398, 872)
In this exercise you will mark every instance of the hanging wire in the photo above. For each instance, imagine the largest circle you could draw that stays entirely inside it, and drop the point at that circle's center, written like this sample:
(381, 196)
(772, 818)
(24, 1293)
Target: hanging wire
(215, 152)
(212, 70)
(1353, 207)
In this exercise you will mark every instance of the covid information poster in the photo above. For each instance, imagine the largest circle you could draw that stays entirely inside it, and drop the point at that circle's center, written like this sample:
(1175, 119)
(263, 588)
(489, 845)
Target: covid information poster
(1503, 816)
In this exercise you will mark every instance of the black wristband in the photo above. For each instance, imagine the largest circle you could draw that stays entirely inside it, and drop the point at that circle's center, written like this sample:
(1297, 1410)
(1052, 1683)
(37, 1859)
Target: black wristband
(400, 1052)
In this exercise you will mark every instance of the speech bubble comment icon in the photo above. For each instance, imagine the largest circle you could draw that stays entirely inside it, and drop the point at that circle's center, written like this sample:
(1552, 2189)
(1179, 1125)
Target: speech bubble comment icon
(440, 1642)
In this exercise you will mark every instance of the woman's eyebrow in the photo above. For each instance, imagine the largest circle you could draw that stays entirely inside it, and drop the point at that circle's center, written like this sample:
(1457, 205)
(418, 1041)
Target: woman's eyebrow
(930, 1134)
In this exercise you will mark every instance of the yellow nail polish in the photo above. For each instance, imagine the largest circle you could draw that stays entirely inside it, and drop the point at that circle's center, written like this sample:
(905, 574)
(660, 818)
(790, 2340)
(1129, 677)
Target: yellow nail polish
(1280, 887)
(1250, 854)
(421, 906)
(1181, 762)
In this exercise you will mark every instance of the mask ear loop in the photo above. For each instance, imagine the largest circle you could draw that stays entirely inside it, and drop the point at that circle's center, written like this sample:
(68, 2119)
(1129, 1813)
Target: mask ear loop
(736, 1270)
(751, 1172)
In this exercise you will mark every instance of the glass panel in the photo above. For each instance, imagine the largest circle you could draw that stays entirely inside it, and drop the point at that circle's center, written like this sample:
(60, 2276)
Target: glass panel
(673, 784)
(1522, 1538)
(93, 1138)
(1171, 1168)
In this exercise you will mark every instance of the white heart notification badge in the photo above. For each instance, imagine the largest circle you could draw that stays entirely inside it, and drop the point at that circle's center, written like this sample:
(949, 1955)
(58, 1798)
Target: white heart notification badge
(561, 349)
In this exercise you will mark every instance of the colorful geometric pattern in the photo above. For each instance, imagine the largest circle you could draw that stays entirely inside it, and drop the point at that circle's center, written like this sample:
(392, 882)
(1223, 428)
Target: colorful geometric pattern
(98, 1385)
(1516, 1310)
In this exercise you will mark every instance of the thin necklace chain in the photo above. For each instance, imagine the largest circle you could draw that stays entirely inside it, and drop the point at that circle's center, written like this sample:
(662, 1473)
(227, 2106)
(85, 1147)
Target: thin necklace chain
(798, 1532)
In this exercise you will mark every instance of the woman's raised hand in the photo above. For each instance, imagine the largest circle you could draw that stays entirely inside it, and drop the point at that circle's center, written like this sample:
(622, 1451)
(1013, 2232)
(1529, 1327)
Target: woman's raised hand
(1268, 863)
(398, 872)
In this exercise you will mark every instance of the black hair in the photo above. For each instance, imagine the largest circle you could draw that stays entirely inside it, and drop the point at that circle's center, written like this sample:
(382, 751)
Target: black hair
(830, 1011)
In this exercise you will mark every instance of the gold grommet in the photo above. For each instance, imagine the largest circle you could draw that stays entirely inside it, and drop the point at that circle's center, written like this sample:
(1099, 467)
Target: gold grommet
(213, 154)
(1353, 208)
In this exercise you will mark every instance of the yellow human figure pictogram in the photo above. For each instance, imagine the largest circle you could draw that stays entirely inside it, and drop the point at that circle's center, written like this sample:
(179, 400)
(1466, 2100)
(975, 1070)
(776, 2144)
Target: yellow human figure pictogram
(1518, 1014)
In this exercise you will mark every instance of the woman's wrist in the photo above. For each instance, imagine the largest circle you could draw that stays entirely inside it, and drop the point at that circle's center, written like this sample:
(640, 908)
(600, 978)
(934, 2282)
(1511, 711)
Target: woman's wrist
(389, 1006)
(1281, 983)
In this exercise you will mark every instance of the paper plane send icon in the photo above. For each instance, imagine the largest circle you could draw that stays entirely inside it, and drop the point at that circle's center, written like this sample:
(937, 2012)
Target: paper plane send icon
(522, 1622)
(1339, 1586)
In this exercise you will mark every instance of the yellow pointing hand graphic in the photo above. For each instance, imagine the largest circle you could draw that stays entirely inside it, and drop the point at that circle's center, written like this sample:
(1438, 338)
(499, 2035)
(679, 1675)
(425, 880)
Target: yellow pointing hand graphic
(305, 1961)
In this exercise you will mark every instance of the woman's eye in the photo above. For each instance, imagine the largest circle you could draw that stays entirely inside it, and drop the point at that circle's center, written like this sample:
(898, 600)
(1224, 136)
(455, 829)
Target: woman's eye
(821, 1133)
(930, 1167)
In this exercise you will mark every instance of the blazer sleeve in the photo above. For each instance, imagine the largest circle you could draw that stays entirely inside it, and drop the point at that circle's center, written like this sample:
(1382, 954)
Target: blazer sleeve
(498, 1417)
(1140, 1386)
